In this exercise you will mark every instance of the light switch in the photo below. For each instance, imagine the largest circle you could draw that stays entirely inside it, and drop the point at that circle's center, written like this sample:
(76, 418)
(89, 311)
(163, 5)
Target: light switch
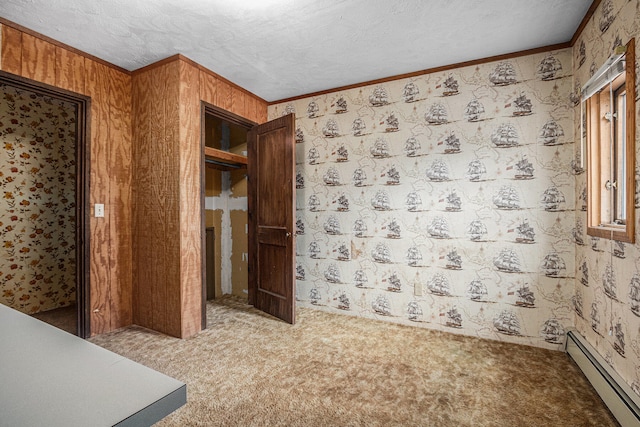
(99, 210)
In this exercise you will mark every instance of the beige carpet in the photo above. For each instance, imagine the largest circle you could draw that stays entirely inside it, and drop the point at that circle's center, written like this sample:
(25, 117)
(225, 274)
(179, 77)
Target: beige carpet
(248, 369)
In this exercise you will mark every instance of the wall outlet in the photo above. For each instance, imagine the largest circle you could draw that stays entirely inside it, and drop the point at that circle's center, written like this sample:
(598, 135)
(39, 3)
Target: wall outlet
(98, 210)
(417, 289)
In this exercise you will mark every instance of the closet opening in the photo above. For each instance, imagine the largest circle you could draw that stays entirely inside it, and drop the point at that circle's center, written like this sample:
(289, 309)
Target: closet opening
(44, 224)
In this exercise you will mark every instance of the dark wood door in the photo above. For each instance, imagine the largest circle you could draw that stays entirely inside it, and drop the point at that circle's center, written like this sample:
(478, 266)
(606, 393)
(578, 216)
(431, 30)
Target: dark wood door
(271, 191)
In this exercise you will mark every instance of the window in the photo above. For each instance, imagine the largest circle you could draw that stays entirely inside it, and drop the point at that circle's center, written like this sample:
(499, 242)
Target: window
(609, 110)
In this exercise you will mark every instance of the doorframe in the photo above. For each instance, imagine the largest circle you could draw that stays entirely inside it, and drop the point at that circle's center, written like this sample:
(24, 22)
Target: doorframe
(210, 109)
(83, 162)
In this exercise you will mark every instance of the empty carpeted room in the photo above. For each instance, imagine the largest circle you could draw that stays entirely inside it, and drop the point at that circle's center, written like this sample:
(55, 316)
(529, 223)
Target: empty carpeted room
(303, 213)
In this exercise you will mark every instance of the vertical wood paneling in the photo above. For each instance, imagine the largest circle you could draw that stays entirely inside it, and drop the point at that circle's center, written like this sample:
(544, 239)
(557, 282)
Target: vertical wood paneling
(223, 95)
(38, 59)
(190, 208)
(11, 58)
(237, 102)
(69, 70)
(97, 87)
(207, 87)
(119, 204)
(261, 111)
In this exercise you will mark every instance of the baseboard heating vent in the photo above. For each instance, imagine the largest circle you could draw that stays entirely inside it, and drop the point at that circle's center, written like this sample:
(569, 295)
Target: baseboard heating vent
(623, 403)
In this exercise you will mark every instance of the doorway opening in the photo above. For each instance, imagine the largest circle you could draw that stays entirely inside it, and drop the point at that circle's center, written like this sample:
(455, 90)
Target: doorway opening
(225, 219)
(44, 235)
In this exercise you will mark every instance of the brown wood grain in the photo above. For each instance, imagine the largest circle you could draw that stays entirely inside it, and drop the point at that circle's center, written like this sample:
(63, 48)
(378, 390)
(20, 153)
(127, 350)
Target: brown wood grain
(261, 111)
(69, 70)
(237, 102)
(38, 59)
(11, 59)
(223, 95)
(225, 156)
(207, 87)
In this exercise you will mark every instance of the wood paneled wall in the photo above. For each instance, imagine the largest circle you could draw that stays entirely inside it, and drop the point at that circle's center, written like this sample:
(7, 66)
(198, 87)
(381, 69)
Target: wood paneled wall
(28, 55)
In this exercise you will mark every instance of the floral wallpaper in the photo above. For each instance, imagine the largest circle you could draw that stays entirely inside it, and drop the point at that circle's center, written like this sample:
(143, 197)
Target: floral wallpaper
(607, 298)
(444, 201)
(37, 201)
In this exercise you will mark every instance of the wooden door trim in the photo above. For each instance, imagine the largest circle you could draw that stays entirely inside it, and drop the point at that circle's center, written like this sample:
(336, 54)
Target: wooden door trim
(210, 109)
(83, 162)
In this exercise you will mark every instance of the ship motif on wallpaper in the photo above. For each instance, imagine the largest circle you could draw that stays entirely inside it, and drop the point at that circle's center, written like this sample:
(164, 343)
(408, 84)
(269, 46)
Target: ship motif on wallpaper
(618, 342)
(477, 230)
(300, 273)
(411, 147)
(312, 110)
(507, 261)
(314, 296)
(525, 297)
(439, 228)
(616, 43)
(299, 180)
(439, 285)
(475, 170)
(634, 294)
(619, 250)
(595, 244)
(474, 110)
(359, 228)
(414, 312)
(381, 254)
(552, 331)
(507, 323)
(413, 201)
(414, 256)
(313, 204)
(343, 302)
(410, 92)
(506, 198)
(552, 198)
(606, 15)
(524, 169)
(454, 203)
(299, 227)
(576, 168)
(577, 304)
(342, 154)
(549, 67)
(592, 69)
(393, 176)
(504, 74)
(330, 129)
(595, 318)
(637, 185)
(394, 283)
(380, 149)
(379, 97)
(584, 272)
(583, 198)
(331, 177)
(381, 306)
(477, 291)
(522, 106)
(340, 105)
(550, 133)
(313, 155)
(576, 94)
(553, 265)
(454, 260)
(360, 279)
(450, 86)
(609, 282)
(381, 201)
(359, 178)
(358, 127)
(582, 54)
(454, 318)
(343, 252)
(438, 171)
(299, 136)
(505, 136)
(343, 203)
(391, 122)
(332, 226)
(526, 233)
(437, 114)
(314, 250)
(577, 233)
(332, 274)
(452, 144)
(393, 229)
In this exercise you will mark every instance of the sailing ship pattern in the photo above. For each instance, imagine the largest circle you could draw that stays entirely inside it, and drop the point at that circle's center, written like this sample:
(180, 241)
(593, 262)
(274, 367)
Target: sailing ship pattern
(410, 189)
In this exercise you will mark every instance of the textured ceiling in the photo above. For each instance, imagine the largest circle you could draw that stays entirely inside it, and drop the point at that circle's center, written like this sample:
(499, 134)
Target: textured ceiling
(283, 48)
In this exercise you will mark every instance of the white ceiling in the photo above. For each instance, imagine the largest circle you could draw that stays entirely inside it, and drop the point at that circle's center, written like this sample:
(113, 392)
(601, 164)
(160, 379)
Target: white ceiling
(283, 48)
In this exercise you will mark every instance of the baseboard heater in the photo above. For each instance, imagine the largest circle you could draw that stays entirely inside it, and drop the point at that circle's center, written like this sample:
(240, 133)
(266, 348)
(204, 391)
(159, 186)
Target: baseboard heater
(623, 403)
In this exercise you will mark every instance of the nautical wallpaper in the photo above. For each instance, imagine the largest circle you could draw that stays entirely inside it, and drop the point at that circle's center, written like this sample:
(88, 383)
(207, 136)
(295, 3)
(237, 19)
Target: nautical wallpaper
(607, 295)
(444, 201)
(37, 201)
